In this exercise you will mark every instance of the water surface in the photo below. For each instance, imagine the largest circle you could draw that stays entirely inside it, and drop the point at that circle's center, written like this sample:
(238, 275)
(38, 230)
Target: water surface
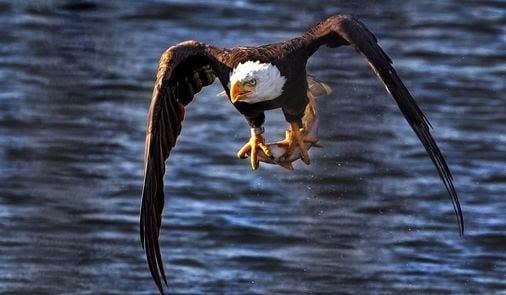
(368, 215)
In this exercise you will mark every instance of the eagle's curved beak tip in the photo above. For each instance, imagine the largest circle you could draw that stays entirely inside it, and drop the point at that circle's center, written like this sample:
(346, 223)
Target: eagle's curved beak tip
(238, 91)
(234, 92)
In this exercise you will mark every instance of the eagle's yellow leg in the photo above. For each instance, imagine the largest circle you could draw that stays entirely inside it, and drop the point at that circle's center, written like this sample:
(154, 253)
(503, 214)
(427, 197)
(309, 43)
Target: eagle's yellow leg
(256, 142)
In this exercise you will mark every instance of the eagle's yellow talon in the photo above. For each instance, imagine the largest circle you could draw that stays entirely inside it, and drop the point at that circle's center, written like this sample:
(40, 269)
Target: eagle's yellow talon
(299, 141)
(294, 138)
(243, 152)
(256, 142)
(265, 149)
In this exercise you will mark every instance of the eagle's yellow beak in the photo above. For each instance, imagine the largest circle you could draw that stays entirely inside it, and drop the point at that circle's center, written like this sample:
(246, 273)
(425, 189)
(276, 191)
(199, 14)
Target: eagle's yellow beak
(240, 90)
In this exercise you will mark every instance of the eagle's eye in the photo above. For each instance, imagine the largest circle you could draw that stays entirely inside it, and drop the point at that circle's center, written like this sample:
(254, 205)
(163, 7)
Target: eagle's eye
(252, 82)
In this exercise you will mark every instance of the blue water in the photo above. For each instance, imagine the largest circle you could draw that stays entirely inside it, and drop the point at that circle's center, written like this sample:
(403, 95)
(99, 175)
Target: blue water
(369, 215)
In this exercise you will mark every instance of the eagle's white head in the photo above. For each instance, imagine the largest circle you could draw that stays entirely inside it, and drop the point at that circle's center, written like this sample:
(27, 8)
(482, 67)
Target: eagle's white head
(253, 82)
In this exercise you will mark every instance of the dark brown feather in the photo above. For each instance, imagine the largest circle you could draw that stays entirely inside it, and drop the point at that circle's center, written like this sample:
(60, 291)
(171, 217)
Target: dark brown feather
(178, 80)
(346, 30)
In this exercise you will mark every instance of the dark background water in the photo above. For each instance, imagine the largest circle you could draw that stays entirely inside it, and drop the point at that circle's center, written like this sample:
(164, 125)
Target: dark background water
(368, 216)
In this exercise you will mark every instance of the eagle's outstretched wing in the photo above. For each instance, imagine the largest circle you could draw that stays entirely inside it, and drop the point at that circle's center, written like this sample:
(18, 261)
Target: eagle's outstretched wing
(346, 30)
(183, 70)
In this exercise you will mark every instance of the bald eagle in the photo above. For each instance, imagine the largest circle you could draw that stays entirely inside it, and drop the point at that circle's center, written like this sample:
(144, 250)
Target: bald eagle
(257, 79)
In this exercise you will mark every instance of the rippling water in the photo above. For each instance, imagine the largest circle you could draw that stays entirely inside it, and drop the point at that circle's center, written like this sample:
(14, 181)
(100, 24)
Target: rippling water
(369, 214)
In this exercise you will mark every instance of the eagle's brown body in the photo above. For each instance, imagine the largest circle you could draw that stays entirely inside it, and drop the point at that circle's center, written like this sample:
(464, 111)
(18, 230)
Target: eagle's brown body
(187, 67)
(289, 57)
